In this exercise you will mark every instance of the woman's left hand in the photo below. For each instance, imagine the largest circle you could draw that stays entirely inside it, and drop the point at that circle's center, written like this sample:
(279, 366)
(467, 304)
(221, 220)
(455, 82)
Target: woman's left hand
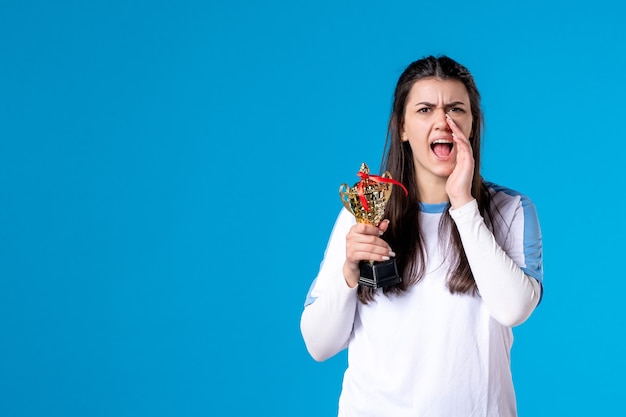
(459, 184)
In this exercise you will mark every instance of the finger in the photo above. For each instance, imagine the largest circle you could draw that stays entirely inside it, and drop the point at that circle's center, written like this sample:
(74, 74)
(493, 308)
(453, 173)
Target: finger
(373, 253)
(367, 248)
(365, 255)
(457, 133)
(383, 226)
(369, 242)
(365, 229)
(463, 146)
(455, 129)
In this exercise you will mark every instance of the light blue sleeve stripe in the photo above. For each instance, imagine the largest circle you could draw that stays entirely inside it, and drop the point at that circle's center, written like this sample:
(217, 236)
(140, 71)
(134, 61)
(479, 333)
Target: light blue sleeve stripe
(533, 250)
(309, 298)
(533, 247)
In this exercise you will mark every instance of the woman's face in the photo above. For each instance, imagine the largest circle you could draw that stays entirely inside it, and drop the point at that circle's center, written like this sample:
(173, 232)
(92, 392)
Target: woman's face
(426, 129)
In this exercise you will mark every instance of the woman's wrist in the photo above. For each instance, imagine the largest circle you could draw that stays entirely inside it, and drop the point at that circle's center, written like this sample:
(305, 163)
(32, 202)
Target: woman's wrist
(459, 202)
(351, 274)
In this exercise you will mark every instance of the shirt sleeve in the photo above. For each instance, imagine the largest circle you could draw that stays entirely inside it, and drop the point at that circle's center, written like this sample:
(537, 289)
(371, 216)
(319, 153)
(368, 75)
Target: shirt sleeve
(509, 293)
(328, 317)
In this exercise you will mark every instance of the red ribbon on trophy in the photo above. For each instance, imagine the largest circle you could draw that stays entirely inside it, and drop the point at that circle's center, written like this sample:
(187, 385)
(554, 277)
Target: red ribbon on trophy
(365, 176)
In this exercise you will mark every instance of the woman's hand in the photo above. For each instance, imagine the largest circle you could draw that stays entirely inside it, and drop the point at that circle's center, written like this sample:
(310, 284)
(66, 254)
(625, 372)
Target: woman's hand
(459, 184)
(363, 243)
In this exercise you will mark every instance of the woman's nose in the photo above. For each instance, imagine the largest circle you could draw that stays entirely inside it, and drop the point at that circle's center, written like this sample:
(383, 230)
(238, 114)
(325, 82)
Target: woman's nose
(440, 119)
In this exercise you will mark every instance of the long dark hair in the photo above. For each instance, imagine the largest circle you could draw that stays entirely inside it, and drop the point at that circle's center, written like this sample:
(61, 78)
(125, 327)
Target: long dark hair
(404, 234)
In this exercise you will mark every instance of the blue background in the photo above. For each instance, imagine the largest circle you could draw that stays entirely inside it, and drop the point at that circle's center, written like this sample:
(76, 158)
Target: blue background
(169, 176)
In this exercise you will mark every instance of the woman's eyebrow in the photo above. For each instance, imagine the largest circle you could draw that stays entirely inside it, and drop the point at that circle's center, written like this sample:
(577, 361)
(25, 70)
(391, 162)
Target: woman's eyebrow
(428, 104)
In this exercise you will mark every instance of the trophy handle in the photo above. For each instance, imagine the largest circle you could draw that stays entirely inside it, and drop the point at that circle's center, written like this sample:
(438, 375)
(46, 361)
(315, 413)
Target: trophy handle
(345, 196)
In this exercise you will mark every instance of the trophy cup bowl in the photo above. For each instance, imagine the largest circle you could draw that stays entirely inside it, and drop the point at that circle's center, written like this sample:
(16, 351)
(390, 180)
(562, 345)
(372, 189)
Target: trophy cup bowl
(366, 200)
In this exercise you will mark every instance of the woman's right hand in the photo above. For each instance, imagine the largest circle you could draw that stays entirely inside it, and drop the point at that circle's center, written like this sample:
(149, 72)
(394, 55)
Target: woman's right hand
(363, 243)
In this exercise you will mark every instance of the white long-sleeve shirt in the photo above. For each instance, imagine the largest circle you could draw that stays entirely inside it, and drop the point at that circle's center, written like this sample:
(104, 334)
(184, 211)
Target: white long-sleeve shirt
(428, 352)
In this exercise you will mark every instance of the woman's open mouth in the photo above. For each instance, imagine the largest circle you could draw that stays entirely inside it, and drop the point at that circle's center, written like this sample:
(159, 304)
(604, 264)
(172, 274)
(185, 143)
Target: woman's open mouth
(442, 148)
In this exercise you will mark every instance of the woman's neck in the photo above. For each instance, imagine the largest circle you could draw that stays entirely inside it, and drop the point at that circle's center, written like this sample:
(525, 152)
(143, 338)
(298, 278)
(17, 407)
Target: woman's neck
(433, 192)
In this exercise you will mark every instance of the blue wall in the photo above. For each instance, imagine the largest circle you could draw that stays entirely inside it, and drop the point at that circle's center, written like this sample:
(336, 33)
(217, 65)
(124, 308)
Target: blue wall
(169, 176)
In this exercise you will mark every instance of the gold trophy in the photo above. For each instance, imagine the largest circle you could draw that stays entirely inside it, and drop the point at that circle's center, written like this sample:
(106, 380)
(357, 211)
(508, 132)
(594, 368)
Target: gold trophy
(366, 200)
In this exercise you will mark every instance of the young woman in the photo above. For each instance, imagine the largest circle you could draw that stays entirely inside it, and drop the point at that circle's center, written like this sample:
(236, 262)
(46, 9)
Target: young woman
(470, 254)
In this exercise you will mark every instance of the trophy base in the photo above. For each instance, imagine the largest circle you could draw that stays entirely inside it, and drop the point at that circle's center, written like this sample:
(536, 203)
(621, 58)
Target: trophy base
(379, 274)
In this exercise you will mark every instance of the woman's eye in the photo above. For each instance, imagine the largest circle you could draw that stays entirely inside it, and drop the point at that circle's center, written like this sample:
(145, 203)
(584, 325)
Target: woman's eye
(456, 110)
(423, 110)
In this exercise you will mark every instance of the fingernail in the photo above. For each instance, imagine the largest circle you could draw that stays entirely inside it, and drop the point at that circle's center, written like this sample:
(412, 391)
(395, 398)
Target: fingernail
(385, 258)
(380, 233)
(392, 253)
